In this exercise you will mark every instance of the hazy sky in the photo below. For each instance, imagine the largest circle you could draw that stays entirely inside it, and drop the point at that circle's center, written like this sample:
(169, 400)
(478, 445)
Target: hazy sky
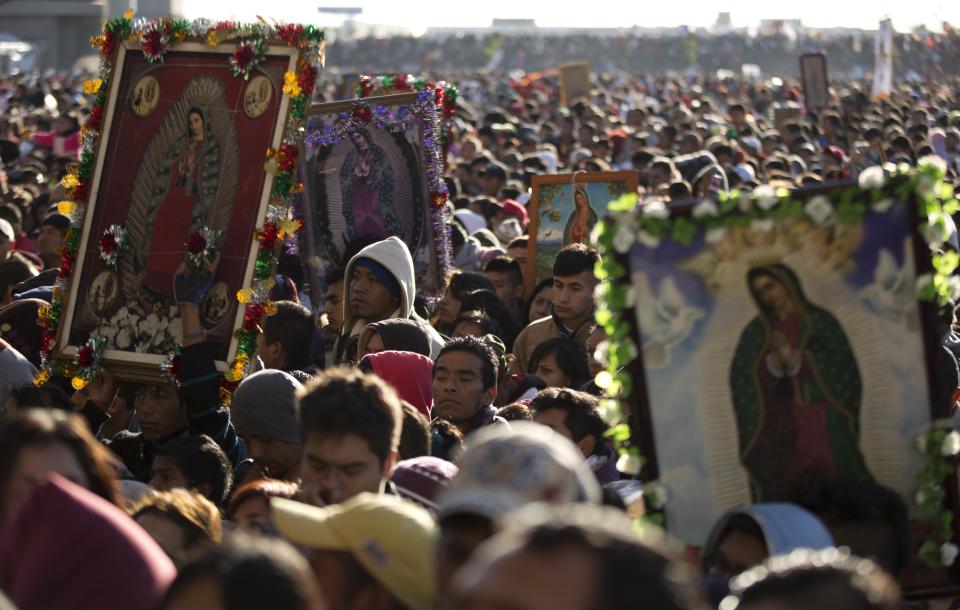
(417, 16)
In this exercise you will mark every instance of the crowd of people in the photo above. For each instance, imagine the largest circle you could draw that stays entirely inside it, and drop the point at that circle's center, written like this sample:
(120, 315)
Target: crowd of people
(390, 452)
(924, 54)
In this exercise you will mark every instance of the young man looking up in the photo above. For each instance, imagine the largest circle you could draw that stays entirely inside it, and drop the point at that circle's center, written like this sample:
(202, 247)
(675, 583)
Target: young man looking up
(573, 286)
(507, 278)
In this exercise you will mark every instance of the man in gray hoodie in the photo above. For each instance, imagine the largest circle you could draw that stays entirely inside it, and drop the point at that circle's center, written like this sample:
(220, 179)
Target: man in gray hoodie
(380, 285)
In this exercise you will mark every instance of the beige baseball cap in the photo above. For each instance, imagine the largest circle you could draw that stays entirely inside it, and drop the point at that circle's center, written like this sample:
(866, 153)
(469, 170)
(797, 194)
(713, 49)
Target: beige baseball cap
(392, 539)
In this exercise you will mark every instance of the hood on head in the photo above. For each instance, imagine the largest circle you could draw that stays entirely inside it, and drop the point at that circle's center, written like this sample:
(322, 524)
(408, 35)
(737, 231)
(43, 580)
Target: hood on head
(410, 374)
(786, 527)
(393, 254)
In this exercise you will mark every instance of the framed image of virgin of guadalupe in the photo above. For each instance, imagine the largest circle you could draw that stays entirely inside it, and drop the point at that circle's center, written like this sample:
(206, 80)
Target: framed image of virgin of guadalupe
(782, 347)
(373, 169)
(563, 209)
(184, 116)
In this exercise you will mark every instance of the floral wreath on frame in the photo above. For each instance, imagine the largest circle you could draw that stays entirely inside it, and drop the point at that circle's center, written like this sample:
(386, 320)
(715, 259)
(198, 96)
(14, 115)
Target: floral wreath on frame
(398, 119)
(626, 224)
(154, 38)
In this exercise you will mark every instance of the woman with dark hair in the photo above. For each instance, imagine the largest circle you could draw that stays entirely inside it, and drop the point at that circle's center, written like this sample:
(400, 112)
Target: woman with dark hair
(249, 506)
(796, 391)
(488, 302)
(184, 191)
(35, 442)
(458, 285)
(366, 190)
(561, 363)
(540, 304)
(474, 324)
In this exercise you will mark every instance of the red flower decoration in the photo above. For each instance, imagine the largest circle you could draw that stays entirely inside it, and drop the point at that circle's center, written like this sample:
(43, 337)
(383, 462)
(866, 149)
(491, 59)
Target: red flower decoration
(224, 25)
(400, 82)
(195, 244)
(154, 44)
(438, 96)
(252, 317)
(286, 157)
(108, 243)
(362, 112)
(366, 88)
(307, 78)
(67, 261)
(290, 33)
(109, 44)
(439, 200)
(268, 236)
(80, 192)
(85, 356)
(95, 117)
(243, 57)
(47, 340)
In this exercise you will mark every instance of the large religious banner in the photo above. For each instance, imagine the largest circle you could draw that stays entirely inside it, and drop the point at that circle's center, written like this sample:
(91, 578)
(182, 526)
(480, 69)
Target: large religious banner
(777, 342)
(174, 181)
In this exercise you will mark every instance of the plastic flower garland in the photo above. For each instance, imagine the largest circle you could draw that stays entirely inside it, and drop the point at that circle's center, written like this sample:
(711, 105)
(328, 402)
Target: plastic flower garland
(154, 38)
(171, 367)
(399, 119)
(445, 93)
(87, 362)
(878, 187)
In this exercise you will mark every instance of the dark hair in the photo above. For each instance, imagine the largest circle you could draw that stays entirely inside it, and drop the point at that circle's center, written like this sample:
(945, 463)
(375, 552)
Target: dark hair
(290, 265)
(345, 401)
(200, 460)
(292, 325)
(504, 264)
(50, 396)
(446, 439)
(189, 510)
(847, 502)
(15, 270)
(473, 345)
(487, 324)
(571, 357)
(574, 259)
(467, 281)
(356, 580)
(546, 282)
(515, 412)
(251, 572)
(518, 242)
(582, 415)
(333, 276)
(489, 303)
(825, 580)
(625, 561)
(12, 214)
(44, 427)
(261, 488)
(415, 434)
(196, 110)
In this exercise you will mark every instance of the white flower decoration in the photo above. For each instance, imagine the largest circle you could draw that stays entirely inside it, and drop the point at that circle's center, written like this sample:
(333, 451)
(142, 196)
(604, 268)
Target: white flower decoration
(629, 464)
(948, 553)
(609, 408)
(872, 178)
(657, 495)
(766, 197)
(624, 238)
(705, 209)
(715, 235)
(951, 444)
(883, 206)
(932, 161)
(920, 498)
(123, 338)
(602, 353)
(762, 225)
(820, 210)
(656, 209)
(938, 229)
(925, 186)
(923, 281)
(648, 240)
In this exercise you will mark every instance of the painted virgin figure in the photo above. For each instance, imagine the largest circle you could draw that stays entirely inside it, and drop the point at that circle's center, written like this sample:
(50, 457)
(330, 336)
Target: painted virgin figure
(184, 190)
(581, 220)
(796, 391)
(366, 190)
